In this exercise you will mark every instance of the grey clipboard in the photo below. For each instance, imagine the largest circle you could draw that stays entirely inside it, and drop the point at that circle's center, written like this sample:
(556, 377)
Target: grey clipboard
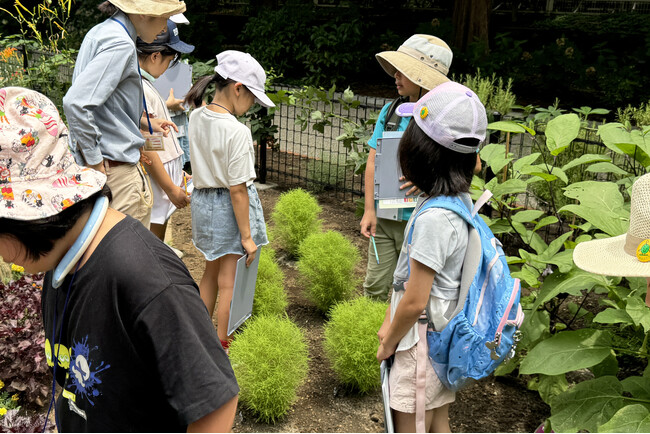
(384, 370)
(387, 170)
(178, 77)
(243, 292)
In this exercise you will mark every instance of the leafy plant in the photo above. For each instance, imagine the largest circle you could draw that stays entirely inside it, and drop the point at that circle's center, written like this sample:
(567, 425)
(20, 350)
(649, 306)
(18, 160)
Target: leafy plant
(351, 342)
(326, 264)
(295, 217)
(637, 116)
(269, 358)
(325, 173)
(270, 296)
(19, 421)
(22, 362)
(495, 93)
(5, 272)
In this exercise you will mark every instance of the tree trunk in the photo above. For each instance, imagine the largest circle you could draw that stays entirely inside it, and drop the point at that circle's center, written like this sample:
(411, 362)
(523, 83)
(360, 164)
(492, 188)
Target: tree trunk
(470, 20)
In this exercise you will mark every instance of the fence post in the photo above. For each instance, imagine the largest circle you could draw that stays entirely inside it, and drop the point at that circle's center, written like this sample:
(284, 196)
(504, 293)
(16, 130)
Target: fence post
(262, 150)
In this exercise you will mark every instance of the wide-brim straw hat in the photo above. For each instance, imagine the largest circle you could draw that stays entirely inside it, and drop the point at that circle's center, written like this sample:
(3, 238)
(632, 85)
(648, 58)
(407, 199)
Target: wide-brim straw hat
(154, 8)
(423, 59)
(38, 176)
(627, 254)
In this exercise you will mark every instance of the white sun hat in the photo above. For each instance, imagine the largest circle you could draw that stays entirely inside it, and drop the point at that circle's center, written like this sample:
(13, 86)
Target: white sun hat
(627, 254)
(242, 67)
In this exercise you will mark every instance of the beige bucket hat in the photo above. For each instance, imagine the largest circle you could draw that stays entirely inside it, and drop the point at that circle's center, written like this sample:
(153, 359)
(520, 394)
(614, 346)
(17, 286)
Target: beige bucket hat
(627, 254)
(155, 8)
(423, 59)
(38, 175)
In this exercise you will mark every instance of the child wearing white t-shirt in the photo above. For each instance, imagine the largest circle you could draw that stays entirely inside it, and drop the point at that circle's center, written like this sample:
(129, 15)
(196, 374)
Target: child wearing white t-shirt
(227, 217)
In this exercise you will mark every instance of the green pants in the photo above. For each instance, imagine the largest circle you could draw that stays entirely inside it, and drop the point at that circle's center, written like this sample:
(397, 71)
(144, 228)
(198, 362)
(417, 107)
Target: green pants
(379, 277)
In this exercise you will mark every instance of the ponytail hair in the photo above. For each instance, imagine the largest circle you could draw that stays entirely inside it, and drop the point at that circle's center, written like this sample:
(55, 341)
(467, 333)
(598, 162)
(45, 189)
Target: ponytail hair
(195, 95)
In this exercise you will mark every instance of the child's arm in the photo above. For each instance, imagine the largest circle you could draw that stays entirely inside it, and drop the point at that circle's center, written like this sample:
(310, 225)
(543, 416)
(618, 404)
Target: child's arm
(369, 219)
(220, 420)
(409, 309)
(239, 198)
(175, 192)
(381, 334)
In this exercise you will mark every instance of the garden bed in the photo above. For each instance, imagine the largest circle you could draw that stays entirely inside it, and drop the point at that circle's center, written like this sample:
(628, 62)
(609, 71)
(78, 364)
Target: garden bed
(494, 405)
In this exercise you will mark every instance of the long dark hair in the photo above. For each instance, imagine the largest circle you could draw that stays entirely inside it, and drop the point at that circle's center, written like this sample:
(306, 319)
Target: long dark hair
(431, 167)
(195, 96)
(38, 236)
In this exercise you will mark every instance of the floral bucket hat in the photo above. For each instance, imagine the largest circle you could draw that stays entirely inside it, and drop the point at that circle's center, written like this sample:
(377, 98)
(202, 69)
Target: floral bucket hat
(38, 176)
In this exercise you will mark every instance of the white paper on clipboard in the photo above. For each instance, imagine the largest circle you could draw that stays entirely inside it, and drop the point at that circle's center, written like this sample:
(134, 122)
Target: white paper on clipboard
(243, 292)
(387, 174)
(384, 370)
(178, 77)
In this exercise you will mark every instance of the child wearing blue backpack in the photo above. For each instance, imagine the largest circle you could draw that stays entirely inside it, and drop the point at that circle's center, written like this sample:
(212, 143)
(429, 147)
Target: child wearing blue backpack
(438, 153)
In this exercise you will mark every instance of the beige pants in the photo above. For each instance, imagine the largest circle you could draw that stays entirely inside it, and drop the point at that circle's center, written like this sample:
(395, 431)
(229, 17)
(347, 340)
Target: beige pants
(131, 190)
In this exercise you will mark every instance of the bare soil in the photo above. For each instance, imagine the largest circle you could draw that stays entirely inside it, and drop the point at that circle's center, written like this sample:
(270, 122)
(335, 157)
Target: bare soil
(500, 404)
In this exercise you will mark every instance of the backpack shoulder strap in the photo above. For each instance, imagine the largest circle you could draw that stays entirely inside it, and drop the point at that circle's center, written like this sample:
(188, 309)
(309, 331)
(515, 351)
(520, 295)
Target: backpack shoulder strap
(392, 119)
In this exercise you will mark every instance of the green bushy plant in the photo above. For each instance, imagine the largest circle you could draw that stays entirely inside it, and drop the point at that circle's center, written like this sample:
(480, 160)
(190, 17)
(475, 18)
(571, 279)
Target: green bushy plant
(270, 296)
(269, 358)
(351, 342)
(5, 271)
(295, 216)
(326, 265)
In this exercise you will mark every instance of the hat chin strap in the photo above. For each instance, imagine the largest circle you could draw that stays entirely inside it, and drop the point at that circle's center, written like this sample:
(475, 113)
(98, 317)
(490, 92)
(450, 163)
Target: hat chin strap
(82, 242)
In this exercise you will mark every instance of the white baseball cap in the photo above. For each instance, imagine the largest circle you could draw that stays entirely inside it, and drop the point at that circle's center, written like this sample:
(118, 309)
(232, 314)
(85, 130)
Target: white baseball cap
(242, 67)
(179, 19)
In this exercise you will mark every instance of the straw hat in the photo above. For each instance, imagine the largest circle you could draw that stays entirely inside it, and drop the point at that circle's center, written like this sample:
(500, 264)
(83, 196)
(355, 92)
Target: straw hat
(627, 254)
(38, 175)
(423, 59)
(155, 8)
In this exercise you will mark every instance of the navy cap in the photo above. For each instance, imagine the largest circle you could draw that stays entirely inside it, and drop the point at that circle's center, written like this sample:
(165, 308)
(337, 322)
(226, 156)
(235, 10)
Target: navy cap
(171, 39)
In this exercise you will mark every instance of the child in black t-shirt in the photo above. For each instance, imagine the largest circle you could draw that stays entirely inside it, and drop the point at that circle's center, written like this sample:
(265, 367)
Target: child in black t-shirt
(128, 338)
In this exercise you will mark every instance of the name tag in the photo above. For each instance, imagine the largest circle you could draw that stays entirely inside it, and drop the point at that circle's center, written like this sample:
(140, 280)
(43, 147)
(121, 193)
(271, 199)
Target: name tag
(154, 142)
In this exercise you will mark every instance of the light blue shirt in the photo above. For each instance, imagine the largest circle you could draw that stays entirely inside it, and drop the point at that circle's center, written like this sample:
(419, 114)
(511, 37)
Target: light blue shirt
(104, 104)
(405, 213)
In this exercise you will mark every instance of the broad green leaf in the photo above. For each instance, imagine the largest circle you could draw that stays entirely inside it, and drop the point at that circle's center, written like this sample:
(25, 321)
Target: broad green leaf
(586, 159)
(563, 261)
(535, 327)
(601, 204)
(639, 312)
(525, 161)
(506, 127)
(606, 167)
(508, 366)
(547, 173)
(510, 186)
(587, 405)
(572, 283)
(494, 156)
(639, 284)
(561, 131)
(567, 351)
(549, 220)
(316, 115)
(555, 246)
(531, 238)
(609, 366)
(549, 386)
(616, 137)
(631, 418)
(514, 260)
(527, 215)
(613, 316)
(528, 275)
(638, 387)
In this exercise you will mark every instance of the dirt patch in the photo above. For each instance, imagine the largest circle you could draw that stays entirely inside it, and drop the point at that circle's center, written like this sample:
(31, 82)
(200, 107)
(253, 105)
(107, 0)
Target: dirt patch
(493, 405)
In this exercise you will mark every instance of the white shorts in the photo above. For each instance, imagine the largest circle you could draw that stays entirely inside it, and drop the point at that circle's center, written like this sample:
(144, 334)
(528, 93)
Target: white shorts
(163, 208)
(402, 384)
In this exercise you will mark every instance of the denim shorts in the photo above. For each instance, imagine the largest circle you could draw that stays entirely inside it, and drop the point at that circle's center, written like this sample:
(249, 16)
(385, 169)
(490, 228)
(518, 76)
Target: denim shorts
(214, 228)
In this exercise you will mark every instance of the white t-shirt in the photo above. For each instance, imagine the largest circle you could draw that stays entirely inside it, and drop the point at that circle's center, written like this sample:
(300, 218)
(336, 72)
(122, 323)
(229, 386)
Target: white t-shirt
(439, 241)
(221, 150)
(158, 109)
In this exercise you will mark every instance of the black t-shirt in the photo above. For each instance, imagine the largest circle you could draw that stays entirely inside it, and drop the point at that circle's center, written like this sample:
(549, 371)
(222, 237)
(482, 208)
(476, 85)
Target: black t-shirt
(138, 349)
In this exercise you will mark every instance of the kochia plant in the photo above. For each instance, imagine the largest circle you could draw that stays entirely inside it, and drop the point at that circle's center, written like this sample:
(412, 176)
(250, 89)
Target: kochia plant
(326, 264)
(270, 296)
(295, 217)
(270, 362)
(351, 342)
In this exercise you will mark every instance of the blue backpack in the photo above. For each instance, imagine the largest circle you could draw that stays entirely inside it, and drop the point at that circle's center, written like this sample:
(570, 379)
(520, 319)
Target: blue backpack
(483, 330)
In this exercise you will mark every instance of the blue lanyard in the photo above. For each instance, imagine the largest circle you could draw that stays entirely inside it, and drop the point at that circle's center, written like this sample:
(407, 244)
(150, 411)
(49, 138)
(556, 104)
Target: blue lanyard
(144, 100)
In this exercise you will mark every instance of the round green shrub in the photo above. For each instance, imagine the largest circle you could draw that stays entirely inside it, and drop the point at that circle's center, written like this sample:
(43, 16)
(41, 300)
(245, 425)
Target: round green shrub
(326, 264)
(295, 217)
(269, 358)
(270, 296)
(351, 342)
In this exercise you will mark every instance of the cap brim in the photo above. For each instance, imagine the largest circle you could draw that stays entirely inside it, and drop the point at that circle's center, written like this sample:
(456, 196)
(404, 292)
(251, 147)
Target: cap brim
(405, 109)
(179, 19)
(607, 257)
(261, 98)
(419, 73)
(181, 47)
